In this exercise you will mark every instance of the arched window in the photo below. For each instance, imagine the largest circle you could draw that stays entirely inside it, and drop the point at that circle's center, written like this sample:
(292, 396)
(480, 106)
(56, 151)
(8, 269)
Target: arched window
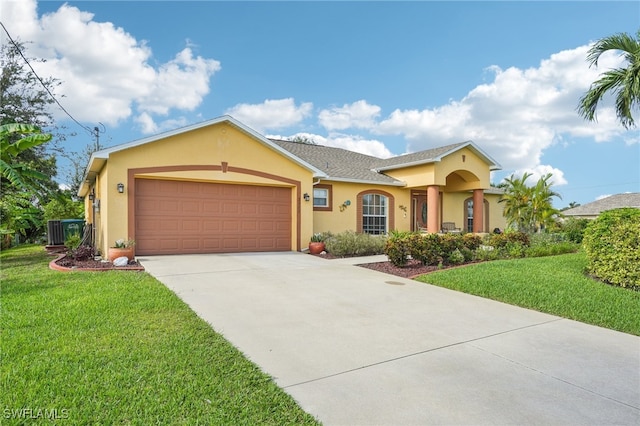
(468, 215)
(375, 212)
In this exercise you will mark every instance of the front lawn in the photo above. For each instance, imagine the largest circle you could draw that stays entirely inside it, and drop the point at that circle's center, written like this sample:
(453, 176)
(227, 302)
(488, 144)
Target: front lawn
(556, 285)
(120, 348)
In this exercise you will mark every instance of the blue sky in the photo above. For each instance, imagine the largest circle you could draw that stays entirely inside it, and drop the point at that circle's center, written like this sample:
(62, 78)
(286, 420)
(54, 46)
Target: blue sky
(382, 78)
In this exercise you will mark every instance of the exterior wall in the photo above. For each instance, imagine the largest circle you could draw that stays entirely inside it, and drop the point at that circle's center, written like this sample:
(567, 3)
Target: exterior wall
(218, 153)
(453, 210)
(347, 220)
(468, 165)
(497, 219)
(415, 176)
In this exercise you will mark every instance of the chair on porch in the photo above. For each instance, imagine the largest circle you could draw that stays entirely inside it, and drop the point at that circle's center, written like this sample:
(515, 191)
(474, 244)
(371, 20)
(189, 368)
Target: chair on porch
(450, 228)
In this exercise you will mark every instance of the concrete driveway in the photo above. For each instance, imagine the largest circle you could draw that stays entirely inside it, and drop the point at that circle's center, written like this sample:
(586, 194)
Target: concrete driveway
(359, 347)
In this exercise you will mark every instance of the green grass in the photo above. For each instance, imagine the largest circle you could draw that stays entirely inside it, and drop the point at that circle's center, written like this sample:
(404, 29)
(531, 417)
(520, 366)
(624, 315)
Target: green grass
(120, 348)
(556, 285)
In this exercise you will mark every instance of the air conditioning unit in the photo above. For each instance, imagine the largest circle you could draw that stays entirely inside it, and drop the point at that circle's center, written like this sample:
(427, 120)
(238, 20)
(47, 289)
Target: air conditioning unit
(55, 233)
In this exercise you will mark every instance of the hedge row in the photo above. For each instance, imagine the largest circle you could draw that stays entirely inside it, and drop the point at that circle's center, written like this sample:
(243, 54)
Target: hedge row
(612, 245)
(431, 249)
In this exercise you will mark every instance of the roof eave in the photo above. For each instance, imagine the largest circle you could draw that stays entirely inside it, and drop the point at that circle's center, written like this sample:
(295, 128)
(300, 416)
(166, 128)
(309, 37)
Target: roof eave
(410, 164)
(364, 181)
(105, 153)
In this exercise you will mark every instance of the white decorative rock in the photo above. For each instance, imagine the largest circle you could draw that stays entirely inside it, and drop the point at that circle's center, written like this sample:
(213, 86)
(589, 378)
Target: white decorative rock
(121, 261)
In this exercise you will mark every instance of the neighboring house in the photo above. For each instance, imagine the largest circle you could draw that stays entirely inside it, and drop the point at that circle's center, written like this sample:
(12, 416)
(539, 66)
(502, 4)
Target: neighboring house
(593, 209)
(219, 186)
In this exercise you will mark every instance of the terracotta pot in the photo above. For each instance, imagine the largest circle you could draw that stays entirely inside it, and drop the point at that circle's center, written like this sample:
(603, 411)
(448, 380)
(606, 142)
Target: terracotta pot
(316, 247)
(115, 253)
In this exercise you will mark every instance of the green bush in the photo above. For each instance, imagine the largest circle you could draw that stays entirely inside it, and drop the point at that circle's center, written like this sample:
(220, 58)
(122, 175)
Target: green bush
(397, 247)
(456, 257)
(502, 240)
(432, 249)
(573, 229)
(486, 253)
(471, 241)
(612, 245)
(63, 208)
(426, 248)
(350, 243)
(550, 245)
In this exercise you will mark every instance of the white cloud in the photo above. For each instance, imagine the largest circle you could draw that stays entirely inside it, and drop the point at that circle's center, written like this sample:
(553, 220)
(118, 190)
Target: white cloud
(149, 126)
(517, 115)
(359, 114)
(600, 197)
(180, 83)
(272, 114)
(106, 74)
(540, 170)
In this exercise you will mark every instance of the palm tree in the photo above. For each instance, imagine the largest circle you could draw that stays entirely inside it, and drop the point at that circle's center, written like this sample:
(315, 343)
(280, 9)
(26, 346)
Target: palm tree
(516, 197)
(624, 83)
(543, 213)
(529, 208)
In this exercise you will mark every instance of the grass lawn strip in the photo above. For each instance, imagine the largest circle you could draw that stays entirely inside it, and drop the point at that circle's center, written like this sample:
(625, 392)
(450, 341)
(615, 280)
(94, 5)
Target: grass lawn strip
(120, 348)
(555, 285)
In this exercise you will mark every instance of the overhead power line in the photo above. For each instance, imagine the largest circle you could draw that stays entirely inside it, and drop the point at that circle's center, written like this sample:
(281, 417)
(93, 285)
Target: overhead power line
(89, 130)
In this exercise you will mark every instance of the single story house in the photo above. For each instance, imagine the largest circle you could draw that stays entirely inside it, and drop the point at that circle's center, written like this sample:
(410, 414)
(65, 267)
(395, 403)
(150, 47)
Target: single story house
(219, 186)
(592, 210)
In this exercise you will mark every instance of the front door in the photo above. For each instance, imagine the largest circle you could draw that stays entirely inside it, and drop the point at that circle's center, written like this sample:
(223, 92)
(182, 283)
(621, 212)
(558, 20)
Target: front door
(419, 212)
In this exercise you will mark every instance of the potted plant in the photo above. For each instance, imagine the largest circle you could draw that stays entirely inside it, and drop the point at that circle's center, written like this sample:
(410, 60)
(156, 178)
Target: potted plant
(123, 248)
(316, 246)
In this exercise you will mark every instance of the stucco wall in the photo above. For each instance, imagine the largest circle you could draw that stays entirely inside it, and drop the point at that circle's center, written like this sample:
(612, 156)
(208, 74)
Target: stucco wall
(247, 161)
(346, 220)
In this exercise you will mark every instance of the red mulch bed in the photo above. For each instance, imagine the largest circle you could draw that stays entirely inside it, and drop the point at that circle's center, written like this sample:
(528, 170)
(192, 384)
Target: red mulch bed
(67, 262)
(411, 270)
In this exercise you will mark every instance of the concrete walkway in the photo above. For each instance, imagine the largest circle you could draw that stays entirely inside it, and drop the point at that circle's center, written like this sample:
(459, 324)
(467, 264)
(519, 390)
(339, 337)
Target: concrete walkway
(358, 347)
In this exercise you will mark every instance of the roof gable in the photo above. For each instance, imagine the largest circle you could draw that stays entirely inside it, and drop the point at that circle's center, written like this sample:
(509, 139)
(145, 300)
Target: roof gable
(99, 158)
(435, 155)
(223, 119)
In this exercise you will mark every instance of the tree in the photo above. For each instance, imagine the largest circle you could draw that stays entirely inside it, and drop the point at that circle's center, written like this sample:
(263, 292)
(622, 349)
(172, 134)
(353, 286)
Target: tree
(571, 205)
(19, 174)
(529, 208)
(28, 163)
(624, 83)
(24, 100)
(516, 198)
(543, 213)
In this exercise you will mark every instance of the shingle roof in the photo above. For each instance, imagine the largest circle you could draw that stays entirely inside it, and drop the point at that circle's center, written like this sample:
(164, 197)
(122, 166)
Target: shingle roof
(425, 156)
(339, 163)
(342, 164)
(631, 199)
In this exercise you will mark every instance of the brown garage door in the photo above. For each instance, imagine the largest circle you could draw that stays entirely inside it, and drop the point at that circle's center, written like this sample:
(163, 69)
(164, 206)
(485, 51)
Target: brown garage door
(195, 217)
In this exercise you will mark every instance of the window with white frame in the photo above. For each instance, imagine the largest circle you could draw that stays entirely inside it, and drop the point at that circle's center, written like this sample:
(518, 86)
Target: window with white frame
(320, 197)
(374, 214)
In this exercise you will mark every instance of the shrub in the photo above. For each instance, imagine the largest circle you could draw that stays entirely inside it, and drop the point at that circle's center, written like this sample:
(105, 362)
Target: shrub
(350, 243)
(426, 248)
(72, 242)
(456, 257)
(484, 253)
(612, 245)
(83, 252)
(550, 245)
(573, 229)
(471, 241)
(397, 247)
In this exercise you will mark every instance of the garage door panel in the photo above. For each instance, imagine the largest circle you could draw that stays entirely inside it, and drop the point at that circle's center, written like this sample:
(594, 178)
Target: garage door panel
(191, 225)
(190, 244)
(198, 217)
